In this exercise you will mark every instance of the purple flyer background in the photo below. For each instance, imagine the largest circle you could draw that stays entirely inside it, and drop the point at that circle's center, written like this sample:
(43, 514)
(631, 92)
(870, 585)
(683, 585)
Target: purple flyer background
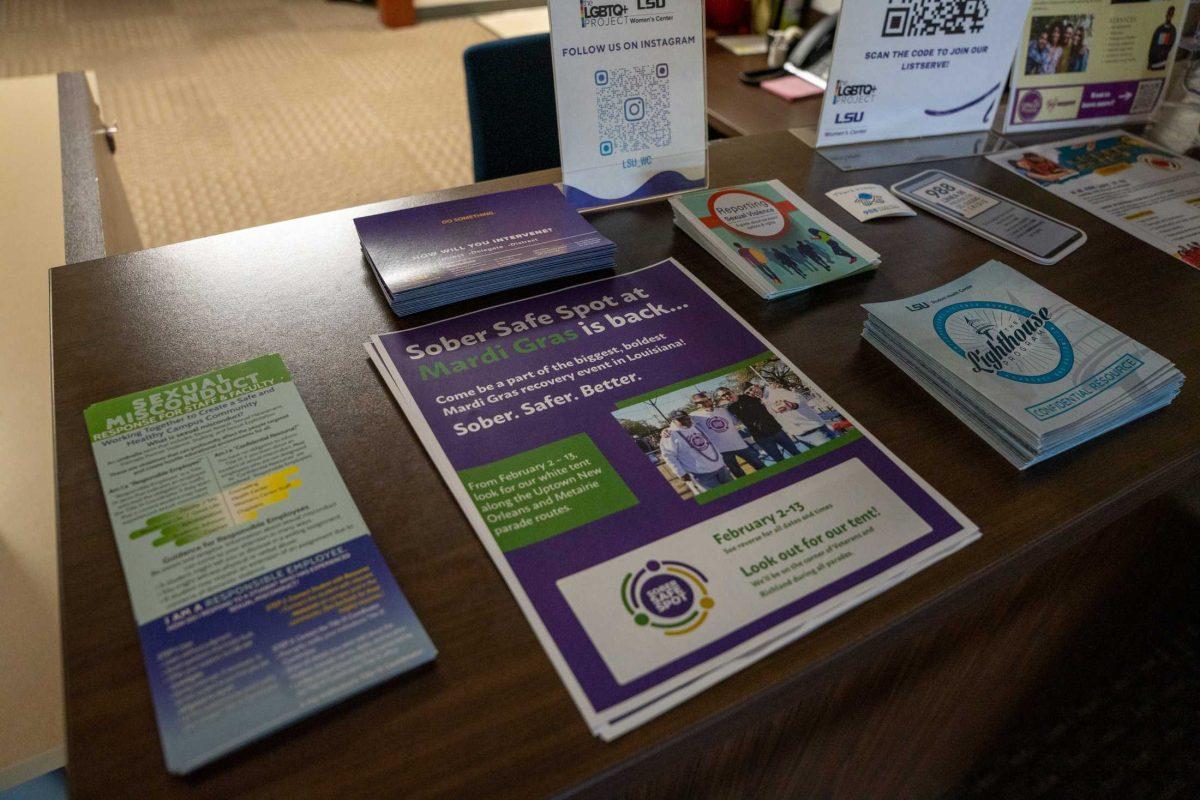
(1102, 92)
(1121, 93)
(713, 339)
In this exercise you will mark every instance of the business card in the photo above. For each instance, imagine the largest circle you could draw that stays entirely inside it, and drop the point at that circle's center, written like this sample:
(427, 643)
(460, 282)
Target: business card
(867, 201)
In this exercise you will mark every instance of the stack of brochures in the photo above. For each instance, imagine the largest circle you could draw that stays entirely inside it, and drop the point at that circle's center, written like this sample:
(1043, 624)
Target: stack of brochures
(444, 253)
(1028, 371)
(770, 238)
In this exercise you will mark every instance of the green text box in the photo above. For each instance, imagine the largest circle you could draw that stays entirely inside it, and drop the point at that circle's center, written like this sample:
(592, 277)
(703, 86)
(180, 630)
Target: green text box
(546, 491)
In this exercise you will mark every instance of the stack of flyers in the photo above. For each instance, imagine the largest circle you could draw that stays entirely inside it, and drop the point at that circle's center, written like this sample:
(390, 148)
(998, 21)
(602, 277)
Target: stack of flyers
(770, 238)
(668, 504)
(1028, 371)
(440, 254)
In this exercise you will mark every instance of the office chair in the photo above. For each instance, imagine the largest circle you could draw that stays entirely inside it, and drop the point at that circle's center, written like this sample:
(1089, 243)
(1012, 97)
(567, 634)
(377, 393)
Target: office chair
(510, 101)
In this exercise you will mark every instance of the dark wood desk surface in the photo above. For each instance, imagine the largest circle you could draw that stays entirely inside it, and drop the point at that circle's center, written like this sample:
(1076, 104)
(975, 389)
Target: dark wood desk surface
(491, 718)
(736, 109)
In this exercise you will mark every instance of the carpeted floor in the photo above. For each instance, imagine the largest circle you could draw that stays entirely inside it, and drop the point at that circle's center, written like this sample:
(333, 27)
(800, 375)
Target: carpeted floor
(235, 113)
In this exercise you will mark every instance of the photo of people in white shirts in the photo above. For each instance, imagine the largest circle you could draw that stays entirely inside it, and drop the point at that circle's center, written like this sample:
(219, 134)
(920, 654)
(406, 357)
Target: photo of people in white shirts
(721, 431)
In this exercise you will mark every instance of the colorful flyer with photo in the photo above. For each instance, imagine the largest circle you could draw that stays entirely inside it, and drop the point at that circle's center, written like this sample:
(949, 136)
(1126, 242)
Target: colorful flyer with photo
(909, 68)
(1083, 62)
(1135, 185)
(259, 595)
(668, 498)
(629, 87)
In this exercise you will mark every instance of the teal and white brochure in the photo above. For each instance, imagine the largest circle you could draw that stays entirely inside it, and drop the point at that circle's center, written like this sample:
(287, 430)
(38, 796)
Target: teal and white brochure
(259, 594)
(1031, 372)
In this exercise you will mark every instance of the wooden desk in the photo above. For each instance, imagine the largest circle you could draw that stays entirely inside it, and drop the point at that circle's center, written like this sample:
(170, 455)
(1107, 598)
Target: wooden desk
(735, 109)
(894, 699)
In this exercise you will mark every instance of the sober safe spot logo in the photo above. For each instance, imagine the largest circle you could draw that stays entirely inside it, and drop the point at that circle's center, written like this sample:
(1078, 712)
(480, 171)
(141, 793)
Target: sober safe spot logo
(668, 595)
(718, 424)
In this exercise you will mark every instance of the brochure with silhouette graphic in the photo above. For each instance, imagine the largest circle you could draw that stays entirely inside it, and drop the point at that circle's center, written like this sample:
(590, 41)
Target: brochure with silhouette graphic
(770, 238)
(258, 592)
(668, 498)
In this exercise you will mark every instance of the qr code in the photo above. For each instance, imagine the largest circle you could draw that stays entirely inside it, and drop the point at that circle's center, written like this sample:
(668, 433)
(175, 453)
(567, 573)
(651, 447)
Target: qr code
(931, 17)
(1147, 94)
(633, 108)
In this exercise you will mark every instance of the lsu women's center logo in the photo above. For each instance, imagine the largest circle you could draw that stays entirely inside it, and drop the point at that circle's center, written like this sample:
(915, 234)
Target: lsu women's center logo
(1007, 341)
(669, 595)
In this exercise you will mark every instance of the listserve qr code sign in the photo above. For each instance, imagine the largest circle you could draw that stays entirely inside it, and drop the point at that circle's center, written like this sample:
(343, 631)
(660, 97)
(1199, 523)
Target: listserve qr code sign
(633, 108)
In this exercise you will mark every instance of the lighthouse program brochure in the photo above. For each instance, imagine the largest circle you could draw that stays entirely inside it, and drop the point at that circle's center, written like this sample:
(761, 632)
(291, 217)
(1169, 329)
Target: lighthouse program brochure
(667, 496)
(1031, 373)
(259, 595)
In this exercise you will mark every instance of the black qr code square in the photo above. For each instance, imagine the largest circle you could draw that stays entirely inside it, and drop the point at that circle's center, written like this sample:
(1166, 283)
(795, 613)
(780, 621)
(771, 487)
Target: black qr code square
(931, 17)
(1147, 95)
(633, 108)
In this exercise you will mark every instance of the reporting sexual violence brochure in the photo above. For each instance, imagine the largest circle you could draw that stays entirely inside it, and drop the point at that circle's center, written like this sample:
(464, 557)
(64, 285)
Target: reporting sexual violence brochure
(258, 592)
(668, 497)
(770, 238)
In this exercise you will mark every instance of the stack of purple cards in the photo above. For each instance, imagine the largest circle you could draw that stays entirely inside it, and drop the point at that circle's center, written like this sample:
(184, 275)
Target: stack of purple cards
(435, 255)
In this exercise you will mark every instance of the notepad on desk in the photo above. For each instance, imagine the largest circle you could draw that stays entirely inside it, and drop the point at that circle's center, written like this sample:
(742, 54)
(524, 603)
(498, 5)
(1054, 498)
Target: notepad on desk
(791, 87)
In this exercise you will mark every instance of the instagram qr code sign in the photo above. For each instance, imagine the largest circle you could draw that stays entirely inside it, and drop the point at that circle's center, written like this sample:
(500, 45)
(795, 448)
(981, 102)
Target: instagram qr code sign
(633, 107)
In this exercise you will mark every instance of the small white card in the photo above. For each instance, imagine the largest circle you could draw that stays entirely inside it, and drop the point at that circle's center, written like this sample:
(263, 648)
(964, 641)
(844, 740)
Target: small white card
(866, 201)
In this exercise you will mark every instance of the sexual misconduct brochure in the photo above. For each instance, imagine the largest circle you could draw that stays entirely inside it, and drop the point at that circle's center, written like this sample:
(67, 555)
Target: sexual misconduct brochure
(668, 498)
(258, 592)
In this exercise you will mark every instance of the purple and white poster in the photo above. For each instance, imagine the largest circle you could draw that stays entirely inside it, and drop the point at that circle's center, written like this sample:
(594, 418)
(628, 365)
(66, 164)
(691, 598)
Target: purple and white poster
(667, 496)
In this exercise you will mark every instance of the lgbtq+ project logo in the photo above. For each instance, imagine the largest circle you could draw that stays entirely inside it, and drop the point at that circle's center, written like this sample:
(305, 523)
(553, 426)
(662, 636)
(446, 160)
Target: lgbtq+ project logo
(669, 595)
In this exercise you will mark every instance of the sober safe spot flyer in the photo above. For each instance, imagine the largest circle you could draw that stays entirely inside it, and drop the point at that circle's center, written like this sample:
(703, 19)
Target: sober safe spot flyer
(667, 497)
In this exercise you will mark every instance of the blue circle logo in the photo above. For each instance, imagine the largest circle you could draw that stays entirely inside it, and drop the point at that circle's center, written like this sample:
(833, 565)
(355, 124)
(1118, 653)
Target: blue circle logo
(1006, 340)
